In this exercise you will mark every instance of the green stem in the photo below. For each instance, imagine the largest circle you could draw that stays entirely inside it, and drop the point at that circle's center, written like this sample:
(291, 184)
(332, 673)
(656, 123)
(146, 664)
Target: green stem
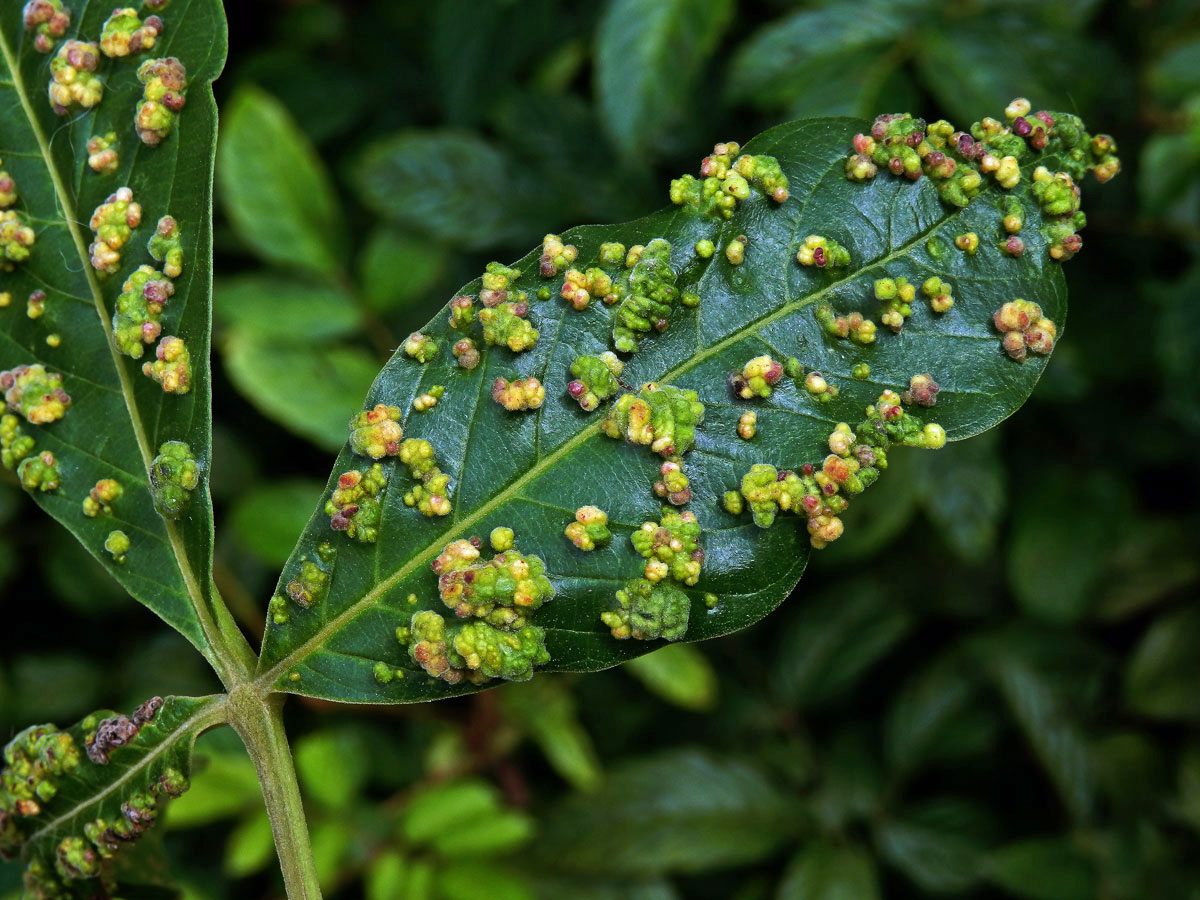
(259, 723)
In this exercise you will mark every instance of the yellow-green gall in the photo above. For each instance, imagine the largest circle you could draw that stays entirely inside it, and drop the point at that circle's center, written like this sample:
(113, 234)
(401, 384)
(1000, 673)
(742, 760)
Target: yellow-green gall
(968, 242)
(501, 539)
(935, 436)
(137, 319)
(462, 313)
(735, 250)
(384, 673)
(503, 589)
(113, 223)
(172, 368)
(117, 544)
(725, 181)
(938, 292)
(647, 611)
(166, 246)
(756, 378)
(5, 300)
(8, 190)
(823, 253)
(35, 306)
(922, 390)
(590, 528)
(100, 499)
(556, 255)
(356, 504)
(15, 445)
(651, 296)
(1018, 107)
(431, 494)
(518, 395)
(429, 399)
(663, 417)
(1025, 329)
(861, 371)
(497, 283)
(74, 81)
(674, 485)
(671, 546)
(174, 475)
(421, 347)
(103, 154)
(125, 34)
(841, 439)
(747, 425)
(634, 254)
(733, 502)
(376, 432)
(818, 388)
(48, 20)
(1008, 174)
(277, 610)
(595, 379)
(705, 248)
(895, 296)
(163, 96)
(465, 354)
(612, 253)
(310, 585)
(35, 393)
(505, 325)
(16, 239)
(53, 339)
(860, 330)
(39, 473)
(580, 287)
(711, 601)
(477, 651)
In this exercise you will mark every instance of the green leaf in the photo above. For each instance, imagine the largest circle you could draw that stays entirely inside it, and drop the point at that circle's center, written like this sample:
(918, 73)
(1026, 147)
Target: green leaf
(1042, 869)
(546, 710)
(683, 811)
(815, 51)
(1160, 678)
(267, 520)
(938, 846)
(531, 471)
(332, 766)
(678, 674)
(835, 640)
(305, 388)
(118, 417)
(282, 308)
(829, 872)
(938, 715)
(274, 187)
(250, 847)
(398, 270)
(138, 779)
(1045, 716)
(649, 54)
(452, 185)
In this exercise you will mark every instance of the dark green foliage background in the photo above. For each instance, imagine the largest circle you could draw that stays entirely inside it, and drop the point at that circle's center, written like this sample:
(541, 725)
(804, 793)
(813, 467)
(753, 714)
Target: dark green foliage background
(987, 689)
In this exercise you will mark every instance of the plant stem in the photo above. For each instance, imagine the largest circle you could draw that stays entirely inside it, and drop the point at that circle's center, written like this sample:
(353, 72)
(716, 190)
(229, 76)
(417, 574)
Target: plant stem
(259, 723)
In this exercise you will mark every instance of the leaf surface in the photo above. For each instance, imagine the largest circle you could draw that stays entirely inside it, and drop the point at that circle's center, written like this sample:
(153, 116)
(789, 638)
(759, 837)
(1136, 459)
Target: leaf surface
(530, 471)
(118, 417)
(142, 775)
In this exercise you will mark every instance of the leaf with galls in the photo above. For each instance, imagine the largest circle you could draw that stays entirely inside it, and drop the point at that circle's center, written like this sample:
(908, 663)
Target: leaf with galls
(773, 335)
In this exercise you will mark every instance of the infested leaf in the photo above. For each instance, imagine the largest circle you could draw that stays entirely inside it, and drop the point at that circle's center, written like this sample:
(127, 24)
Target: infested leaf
(119, 418)
(492, 433)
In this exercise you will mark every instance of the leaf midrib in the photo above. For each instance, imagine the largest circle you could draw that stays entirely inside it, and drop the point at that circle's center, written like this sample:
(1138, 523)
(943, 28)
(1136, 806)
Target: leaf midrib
(264, 682)
(228, 671)
(213, 712)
